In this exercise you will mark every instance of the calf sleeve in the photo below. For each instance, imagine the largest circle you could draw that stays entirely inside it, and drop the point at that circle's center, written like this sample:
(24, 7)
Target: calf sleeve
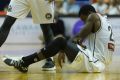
(5, 28)
(47, 33)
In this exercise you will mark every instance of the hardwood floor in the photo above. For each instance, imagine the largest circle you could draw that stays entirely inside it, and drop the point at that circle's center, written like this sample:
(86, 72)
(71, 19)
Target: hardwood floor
(35, 72)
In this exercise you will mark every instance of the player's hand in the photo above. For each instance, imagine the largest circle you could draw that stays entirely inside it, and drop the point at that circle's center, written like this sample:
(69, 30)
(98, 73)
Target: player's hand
(76, 40)
(61, 58)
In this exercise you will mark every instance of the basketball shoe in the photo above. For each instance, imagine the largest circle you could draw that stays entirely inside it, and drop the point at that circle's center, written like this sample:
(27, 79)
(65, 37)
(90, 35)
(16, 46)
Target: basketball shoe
(18, 64)
(49, 65)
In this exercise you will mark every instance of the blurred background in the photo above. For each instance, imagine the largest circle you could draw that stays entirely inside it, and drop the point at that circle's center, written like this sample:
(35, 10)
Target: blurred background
(67, 7)
(25, 32)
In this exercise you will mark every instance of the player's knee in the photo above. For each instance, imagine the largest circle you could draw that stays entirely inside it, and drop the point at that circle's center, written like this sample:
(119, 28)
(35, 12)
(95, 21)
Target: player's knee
(61, 41)
(55, 46)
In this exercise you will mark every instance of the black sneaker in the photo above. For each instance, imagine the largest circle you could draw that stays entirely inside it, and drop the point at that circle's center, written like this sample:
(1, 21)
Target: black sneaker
(16, 64)
(48, 66)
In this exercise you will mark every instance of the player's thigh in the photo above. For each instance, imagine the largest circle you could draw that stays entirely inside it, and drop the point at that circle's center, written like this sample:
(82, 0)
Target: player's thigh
(18, 8)
(88, 62)
(84, 62)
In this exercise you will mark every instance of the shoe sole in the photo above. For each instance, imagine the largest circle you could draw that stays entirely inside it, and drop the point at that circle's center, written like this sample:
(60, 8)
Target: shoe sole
(48, 69)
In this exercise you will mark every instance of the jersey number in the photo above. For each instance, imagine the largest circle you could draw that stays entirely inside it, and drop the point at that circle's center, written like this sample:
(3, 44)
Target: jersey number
(111, 45)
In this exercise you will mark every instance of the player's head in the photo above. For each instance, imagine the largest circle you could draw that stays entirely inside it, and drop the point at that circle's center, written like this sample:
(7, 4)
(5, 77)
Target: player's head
(85, 11)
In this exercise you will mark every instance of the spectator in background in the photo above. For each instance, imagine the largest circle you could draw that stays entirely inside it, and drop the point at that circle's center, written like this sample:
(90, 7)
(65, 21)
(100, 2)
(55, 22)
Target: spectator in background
(114, 7)
(71, 7)
(59, 7)
(3, 4)
(100, 6)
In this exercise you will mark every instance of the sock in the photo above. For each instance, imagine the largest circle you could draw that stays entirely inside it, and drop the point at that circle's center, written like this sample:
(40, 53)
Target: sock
(27, 60)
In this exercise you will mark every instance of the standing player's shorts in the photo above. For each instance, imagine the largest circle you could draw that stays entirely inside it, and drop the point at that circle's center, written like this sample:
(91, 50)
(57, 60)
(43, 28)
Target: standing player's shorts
(42, 11)
(84, 62)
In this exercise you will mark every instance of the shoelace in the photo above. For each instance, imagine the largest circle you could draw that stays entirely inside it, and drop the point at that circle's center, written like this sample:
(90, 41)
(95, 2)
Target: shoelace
(16, 63)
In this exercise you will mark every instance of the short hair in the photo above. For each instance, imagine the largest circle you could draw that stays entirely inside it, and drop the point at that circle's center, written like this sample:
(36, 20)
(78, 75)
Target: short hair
(86, 9)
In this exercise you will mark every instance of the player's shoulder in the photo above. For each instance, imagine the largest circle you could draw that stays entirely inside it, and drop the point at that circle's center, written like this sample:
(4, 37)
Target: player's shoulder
(93, 15)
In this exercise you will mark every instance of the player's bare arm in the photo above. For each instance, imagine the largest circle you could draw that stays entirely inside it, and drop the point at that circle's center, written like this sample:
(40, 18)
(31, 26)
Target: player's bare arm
(89, 27)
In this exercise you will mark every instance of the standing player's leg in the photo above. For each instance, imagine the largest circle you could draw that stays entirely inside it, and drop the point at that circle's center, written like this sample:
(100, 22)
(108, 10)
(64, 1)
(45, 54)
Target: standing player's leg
(5, 28)
(48, 36)
(58, 28)
(16, 9)
(52, 49)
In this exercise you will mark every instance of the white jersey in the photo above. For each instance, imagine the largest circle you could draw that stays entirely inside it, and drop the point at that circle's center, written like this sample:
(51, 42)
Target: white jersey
(42, 11)
(100, 42)
(98, 53)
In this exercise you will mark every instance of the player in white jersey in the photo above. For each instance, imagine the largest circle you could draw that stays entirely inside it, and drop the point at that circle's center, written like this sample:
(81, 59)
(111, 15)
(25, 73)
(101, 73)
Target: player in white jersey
(42, 12)
(93, 57)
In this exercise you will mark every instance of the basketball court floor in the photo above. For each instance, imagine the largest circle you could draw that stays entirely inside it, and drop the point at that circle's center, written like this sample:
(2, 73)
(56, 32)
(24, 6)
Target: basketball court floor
(35, 73)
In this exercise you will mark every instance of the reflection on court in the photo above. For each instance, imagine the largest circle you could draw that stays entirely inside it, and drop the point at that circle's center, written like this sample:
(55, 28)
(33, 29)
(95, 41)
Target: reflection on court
(35, 73)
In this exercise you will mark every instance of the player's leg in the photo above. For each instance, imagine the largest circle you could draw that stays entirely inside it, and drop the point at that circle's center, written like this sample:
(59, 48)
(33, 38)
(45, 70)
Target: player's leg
(71, 50)
(5, 28)
(16, 9)
(48, 36)
(58, 28)
(47, 33)
(84, 56)
(52, 49)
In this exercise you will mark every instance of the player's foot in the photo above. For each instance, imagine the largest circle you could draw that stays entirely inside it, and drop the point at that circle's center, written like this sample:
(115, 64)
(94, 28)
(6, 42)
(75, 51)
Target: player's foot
(49, 66)
(16, 63)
